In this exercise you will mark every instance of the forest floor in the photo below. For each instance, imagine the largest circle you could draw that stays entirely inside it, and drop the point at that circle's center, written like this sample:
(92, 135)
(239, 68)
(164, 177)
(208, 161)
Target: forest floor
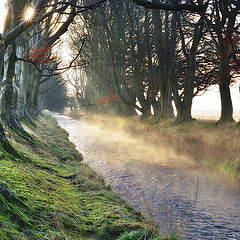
(206, 142)
(47, 192)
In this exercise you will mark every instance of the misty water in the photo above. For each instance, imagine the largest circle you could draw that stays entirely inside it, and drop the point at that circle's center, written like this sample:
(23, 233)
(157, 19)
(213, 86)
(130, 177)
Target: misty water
(180, 194)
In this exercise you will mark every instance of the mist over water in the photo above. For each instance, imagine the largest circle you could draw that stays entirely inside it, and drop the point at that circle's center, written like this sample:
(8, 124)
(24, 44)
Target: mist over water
(180, 194)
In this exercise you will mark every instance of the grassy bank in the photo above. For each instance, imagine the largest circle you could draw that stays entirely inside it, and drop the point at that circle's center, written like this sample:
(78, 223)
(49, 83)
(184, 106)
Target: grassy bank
(204, 141)
(47, 192)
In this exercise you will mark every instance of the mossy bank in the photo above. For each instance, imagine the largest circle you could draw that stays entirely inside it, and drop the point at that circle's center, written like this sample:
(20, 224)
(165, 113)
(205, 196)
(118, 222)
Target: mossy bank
(47, 192)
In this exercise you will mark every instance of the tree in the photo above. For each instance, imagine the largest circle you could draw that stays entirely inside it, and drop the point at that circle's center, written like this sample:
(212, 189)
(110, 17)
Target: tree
(44, 31)
(222, 23)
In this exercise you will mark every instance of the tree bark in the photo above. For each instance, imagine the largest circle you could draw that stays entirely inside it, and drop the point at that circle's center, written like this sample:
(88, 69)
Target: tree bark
(171, 6)
(165, 94)
(146, 107)
(2, 133)
(8, 112)
(224, 82)
(185, 105)
(186, 114)
(35, 93)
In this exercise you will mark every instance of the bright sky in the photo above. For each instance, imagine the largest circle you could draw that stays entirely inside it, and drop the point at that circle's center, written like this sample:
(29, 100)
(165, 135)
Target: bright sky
(209, 103)
(3, 13)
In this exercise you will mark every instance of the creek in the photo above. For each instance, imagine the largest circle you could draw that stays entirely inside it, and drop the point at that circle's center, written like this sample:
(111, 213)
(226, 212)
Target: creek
(179, 194)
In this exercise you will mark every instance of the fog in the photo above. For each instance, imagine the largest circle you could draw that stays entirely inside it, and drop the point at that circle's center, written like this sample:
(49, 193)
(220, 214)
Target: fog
(180, 194)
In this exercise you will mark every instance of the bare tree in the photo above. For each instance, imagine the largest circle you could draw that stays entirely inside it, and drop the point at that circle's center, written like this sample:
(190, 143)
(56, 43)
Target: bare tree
(223, 27)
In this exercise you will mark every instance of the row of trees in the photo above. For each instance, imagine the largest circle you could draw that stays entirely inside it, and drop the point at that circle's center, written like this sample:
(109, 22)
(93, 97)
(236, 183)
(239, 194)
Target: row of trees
(124, 54)
(155, 57)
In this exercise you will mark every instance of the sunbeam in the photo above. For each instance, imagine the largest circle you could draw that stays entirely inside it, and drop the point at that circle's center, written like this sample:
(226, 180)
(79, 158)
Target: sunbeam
(3, 14)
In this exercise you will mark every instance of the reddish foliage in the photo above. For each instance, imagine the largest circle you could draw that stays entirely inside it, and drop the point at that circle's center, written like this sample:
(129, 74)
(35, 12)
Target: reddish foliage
(41, 55)
(110, 99)
(230, 42)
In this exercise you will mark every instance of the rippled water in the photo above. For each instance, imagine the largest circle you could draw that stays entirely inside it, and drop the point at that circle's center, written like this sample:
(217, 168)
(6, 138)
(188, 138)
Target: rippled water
(180, 194)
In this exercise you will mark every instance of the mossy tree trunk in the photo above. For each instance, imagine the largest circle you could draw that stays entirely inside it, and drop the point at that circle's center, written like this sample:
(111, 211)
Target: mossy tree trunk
(2, 133)
(8, 97)
(35, 94)
(8, 108)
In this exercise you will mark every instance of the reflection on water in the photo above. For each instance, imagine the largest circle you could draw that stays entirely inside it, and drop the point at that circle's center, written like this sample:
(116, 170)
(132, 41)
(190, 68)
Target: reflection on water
(180, 194)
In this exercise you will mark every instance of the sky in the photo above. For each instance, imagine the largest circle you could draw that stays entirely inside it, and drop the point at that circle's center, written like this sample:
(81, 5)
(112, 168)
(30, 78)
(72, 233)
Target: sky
(209, 103)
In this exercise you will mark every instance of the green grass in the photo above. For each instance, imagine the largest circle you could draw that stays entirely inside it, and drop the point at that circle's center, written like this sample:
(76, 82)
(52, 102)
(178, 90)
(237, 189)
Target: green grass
(205, 142)
(47, 192)
(142, 235)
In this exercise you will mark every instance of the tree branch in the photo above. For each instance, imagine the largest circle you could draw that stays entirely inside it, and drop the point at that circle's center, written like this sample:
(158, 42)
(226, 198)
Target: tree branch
(171, 6)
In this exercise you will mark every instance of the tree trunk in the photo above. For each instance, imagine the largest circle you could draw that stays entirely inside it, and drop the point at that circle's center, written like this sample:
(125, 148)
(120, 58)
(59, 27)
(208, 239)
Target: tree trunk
(8, 112)
(156, 109)
(186, 114)
(2, 133)
(146, 108)
(2, 52)
(166, 94)
(224, 82)
(34, 99)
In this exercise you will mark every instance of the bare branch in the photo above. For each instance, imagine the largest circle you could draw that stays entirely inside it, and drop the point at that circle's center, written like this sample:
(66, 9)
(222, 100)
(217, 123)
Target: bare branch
(170, 6)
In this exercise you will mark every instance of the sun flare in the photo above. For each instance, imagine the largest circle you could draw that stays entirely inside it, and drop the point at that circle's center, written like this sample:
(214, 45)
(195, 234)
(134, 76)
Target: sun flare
(29, 14)
(3, 14)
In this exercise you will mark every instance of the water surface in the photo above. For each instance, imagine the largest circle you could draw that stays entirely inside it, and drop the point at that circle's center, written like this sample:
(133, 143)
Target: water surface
(178, 193)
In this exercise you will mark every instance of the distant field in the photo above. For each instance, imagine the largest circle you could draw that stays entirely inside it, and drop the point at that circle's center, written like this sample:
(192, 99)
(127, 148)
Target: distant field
(211, 115)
